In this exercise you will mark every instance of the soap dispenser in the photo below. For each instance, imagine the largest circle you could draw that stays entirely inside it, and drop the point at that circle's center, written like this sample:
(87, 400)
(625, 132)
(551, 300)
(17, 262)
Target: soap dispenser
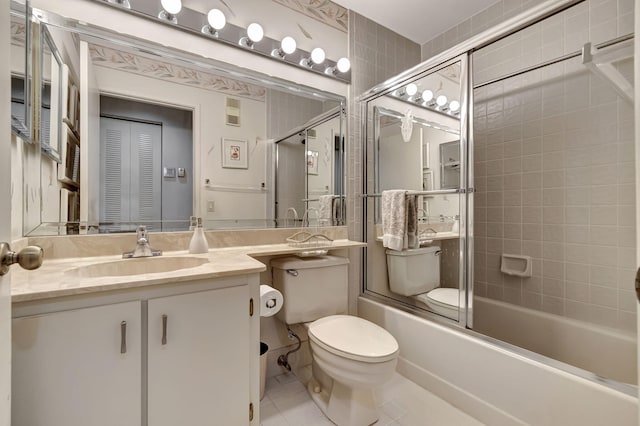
(198, 242)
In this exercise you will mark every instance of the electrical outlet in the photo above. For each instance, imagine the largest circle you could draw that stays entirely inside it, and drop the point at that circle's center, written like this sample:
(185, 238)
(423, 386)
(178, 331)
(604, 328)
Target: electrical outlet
(211, 206)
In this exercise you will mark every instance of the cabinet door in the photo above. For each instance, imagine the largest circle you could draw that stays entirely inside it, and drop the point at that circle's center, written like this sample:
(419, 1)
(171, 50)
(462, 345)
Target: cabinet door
(68, 368)
(200, 374)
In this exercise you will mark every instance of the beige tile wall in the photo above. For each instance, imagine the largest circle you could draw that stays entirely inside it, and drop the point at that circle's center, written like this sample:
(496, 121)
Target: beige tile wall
(376, 53)
(555, 173)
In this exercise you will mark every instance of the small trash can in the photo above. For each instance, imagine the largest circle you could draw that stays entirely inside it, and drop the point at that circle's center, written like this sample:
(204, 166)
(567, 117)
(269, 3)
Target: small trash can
(264, 348)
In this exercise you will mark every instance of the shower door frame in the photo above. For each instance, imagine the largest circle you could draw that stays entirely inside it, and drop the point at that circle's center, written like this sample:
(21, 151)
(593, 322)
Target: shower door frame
(463, 52)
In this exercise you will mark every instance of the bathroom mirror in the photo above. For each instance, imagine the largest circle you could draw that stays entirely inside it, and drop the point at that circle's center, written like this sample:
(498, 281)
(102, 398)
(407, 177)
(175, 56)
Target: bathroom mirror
(310, 192)
(217, 161)
(450, 165)
(412, 123)
(21, 71)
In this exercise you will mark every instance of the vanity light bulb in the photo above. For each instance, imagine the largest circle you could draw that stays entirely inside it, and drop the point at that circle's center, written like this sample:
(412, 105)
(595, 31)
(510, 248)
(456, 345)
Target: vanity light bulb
(427, 95)
(441, 100)
(288, 45)
(255, 32)
(216, 19)
(344, 65)
(317, 55)
(411, 89)
(172, 7)
(454, 106)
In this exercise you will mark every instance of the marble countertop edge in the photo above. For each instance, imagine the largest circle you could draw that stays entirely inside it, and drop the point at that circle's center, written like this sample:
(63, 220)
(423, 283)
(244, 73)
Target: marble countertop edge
(52, 279)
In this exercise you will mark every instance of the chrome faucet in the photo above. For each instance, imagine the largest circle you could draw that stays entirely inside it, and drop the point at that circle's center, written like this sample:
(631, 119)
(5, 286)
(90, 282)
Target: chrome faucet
(143, 249)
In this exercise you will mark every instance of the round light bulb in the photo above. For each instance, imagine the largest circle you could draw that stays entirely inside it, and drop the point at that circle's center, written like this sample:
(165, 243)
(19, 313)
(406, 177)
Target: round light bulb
(317, 55)
(427, 95)
(411, 89)
(288, 45)
(171, 6)
(216, 19)
(441, 100)
(255, 32)
(454, 106)
(344, 64)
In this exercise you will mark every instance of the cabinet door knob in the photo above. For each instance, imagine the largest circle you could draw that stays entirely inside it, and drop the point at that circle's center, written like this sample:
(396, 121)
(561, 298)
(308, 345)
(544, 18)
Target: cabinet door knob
(29, 257)
(123, 337)
(164, 329)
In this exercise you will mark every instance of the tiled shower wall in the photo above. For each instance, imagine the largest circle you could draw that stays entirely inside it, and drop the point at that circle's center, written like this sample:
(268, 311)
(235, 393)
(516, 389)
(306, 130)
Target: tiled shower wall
(376, 53)
(555, 172)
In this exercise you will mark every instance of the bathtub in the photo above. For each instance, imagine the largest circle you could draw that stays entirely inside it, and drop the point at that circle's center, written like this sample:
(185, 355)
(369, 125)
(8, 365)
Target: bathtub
(603, 351)
(494, 383)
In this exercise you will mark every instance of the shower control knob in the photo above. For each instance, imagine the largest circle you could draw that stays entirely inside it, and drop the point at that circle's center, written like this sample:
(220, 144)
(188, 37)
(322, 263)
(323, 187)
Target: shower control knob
(29, 257)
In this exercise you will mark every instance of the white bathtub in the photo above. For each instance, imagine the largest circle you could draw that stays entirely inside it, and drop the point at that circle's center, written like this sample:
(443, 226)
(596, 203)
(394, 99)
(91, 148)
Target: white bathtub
(606, 352)
(493, 383)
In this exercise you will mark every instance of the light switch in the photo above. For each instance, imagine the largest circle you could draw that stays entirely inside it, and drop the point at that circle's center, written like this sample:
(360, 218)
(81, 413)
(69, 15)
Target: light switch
(210, 206)
(182, 172)
(169, 172)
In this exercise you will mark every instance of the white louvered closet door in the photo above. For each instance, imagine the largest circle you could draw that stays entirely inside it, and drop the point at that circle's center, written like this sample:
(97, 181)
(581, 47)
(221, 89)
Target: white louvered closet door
(130, 189)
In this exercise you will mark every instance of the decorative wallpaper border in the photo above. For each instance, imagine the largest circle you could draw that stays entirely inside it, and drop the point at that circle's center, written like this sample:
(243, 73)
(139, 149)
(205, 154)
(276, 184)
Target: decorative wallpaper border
(124, 61)
(324, 11)
(18, 34)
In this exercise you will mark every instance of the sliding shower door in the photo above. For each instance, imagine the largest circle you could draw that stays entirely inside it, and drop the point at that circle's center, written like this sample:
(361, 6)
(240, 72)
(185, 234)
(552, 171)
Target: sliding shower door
(417, 141)
(554, 171)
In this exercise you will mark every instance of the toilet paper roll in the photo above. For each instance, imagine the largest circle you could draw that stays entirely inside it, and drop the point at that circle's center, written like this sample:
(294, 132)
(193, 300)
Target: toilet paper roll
(270, 301)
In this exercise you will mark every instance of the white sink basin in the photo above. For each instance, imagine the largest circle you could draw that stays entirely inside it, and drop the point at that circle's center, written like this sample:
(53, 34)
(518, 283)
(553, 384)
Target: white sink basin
(141, 265)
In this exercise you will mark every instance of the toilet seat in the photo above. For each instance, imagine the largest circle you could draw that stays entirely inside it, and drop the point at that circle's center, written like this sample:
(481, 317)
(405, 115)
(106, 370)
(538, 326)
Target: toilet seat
(443, 301)
(353, 338)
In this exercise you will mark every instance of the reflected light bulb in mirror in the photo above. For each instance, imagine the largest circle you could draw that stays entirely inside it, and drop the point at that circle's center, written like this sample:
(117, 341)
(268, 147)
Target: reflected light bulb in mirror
(427, 95)
(216, 19)
(171, 6)
(344, 64)
(441, 100)
(255, 32)
(411, 89)
(454, 106)
(317, 55)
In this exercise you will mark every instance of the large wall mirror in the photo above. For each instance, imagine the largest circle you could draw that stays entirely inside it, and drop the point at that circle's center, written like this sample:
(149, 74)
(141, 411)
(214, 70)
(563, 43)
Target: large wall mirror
(415, 143)
(21, 71)
(137, 133)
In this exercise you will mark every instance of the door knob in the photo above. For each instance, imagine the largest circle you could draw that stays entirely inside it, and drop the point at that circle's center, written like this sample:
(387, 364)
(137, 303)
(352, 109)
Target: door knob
(29, 257)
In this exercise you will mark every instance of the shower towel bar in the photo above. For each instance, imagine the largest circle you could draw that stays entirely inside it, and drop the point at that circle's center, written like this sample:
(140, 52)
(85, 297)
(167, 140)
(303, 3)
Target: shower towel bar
(436, 192)
(572, 55)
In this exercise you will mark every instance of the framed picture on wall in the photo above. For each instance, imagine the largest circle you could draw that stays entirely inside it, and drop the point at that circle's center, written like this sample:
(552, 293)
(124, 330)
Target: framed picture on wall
(312, 162)
(235, 154)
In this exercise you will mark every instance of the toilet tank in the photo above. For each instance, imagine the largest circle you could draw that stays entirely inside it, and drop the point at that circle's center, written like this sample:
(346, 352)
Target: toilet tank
(413, 271)
(313, 287)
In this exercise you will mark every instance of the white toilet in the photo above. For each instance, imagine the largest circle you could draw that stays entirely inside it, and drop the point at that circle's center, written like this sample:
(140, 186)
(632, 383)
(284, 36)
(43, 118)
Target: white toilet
(416, 273)
(351, 356)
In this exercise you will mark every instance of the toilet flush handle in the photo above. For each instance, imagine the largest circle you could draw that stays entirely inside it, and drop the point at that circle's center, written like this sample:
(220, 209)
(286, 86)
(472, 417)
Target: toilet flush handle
(292, 272)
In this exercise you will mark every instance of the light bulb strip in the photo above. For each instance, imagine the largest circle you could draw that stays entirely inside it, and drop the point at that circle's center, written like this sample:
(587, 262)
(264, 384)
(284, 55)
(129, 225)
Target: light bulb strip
(193, 22)
(418, 97)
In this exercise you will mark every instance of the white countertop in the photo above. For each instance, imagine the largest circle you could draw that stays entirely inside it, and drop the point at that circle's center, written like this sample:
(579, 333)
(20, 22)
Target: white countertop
(50, 280)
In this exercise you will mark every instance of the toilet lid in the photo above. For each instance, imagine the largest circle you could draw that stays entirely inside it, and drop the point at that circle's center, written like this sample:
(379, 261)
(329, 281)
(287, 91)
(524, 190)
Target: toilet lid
(445, 296)
(354, 338)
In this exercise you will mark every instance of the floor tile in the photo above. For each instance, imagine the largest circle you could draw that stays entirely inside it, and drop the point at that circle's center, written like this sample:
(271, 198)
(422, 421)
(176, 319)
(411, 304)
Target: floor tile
(401, 403)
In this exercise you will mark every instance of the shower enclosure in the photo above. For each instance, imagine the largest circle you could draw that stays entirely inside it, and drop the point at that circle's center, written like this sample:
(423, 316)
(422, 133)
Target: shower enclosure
(521, 152)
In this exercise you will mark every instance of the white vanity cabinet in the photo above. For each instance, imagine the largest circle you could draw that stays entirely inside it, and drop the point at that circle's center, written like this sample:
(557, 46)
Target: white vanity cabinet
(78, 367)
(190, 358)
(198, 358)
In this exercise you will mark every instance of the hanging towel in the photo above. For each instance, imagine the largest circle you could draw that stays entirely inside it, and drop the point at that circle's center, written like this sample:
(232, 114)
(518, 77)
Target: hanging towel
(336, 210)
(394, 219)
(325, 207)
(412, 222)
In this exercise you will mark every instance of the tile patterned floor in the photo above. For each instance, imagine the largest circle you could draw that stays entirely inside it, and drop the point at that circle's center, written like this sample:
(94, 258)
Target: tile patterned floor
(402, 403)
